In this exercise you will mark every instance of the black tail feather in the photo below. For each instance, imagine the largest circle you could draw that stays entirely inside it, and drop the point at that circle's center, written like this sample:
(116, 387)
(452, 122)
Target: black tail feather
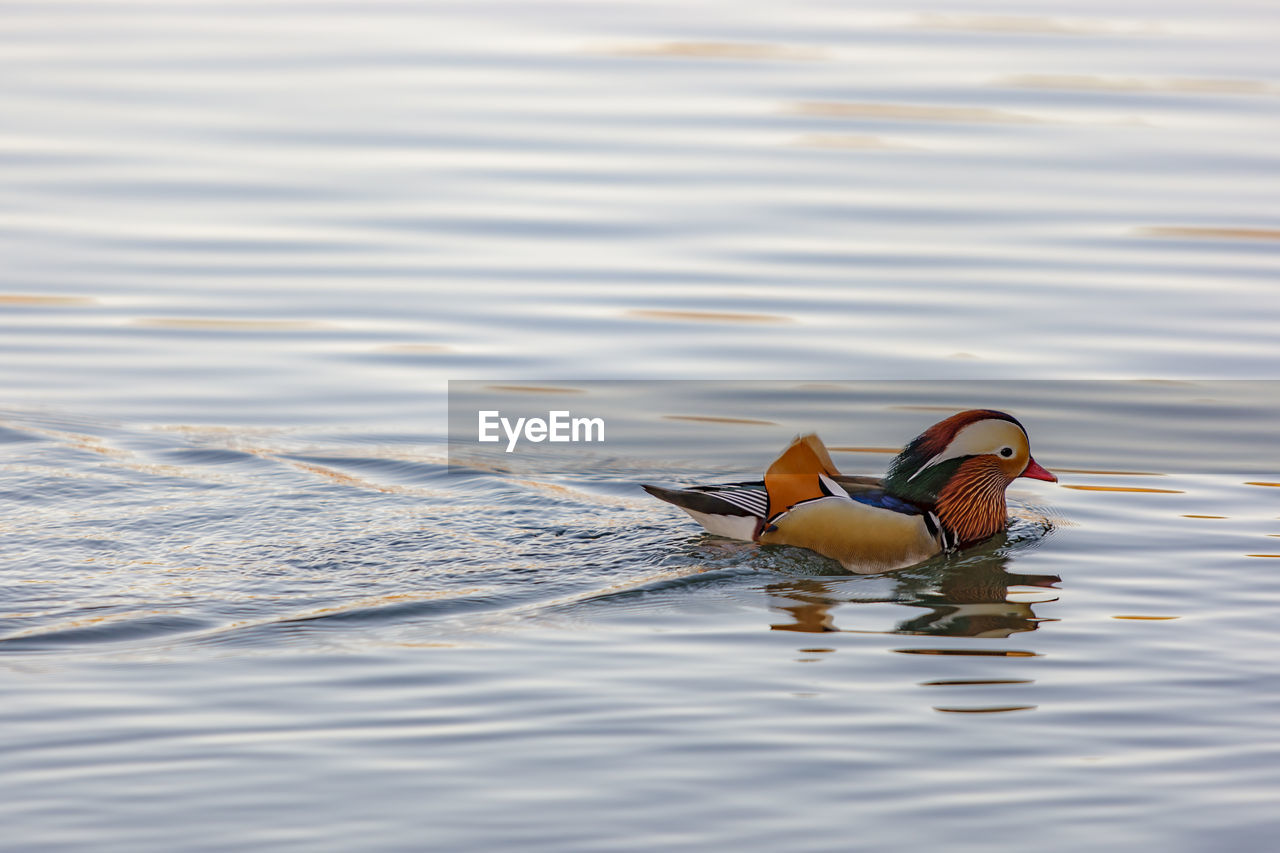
(698, 501)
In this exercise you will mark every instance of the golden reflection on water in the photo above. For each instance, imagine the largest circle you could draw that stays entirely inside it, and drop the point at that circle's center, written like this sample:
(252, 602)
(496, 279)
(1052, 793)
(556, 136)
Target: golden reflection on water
(96, 620)
(1122, 489)
(1212, 233)
(45, 301)
(76, 440)
(707, 316)
(1097, 83)
(975, 653)
(342, 478)
(853, 142)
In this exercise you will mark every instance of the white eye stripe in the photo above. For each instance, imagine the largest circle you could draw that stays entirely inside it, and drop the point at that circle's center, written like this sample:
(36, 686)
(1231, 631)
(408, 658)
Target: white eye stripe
(976, 439)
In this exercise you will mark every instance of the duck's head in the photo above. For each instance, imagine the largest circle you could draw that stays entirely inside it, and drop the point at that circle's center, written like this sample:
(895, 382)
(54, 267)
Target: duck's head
(961, 466)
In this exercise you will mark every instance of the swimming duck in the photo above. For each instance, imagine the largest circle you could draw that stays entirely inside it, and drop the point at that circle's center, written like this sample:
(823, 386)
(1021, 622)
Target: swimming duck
(943, 492)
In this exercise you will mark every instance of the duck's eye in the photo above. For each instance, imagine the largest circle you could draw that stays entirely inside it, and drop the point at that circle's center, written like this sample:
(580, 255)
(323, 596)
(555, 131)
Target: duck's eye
(1006, 452)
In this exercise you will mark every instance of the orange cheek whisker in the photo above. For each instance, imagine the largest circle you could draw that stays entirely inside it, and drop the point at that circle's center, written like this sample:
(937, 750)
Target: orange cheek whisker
(972, 504)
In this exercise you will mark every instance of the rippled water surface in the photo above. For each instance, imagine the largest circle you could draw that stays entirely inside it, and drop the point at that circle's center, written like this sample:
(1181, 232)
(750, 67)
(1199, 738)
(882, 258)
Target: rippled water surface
(263, 261)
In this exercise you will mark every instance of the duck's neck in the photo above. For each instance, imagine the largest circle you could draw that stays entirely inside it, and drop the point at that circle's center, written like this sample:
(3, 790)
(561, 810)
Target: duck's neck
(971, 504)
(922, 487)
(967, 494)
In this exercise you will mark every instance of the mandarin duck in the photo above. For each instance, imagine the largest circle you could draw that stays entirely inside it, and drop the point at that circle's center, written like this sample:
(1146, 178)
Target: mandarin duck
(943, 492)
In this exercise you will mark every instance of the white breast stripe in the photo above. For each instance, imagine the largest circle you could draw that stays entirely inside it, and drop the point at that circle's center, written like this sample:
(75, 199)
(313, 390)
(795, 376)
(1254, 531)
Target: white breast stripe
(945, 537)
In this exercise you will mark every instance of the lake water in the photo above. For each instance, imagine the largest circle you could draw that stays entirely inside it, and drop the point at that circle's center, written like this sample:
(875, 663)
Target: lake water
(259, 592)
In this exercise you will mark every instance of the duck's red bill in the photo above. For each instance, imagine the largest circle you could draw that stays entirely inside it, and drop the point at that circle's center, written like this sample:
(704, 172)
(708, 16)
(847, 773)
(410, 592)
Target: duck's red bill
(1036, 472)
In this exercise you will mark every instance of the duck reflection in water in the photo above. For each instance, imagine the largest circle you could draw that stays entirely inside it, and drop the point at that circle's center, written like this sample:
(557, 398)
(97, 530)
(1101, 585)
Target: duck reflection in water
(958, 597)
